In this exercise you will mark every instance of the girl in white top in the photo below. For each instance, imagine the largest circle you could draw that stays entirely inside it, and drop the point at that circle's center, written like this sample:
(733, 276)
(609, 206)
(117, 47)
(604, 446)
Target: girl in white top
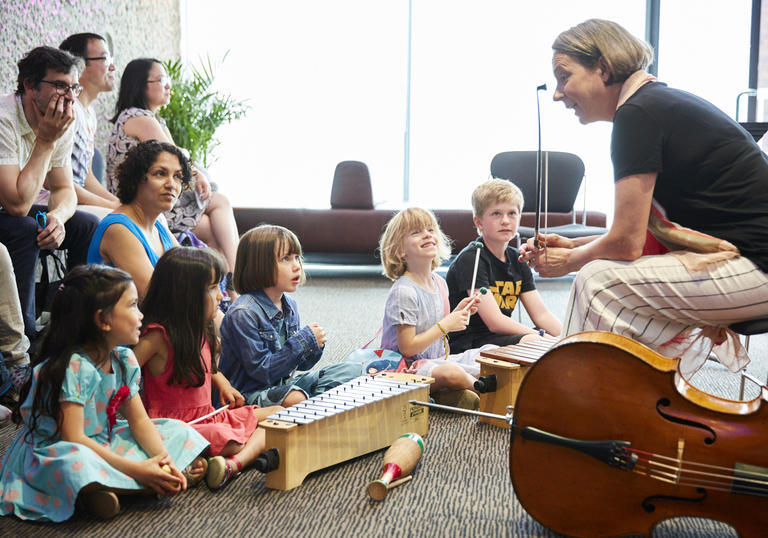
(417, 318)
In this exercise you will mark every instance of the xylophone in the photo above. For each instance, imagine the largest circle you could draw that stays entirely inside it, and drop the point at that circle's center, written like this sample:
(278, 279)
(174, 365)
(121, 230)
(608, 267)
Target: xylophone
(502, 369)
(355, 418)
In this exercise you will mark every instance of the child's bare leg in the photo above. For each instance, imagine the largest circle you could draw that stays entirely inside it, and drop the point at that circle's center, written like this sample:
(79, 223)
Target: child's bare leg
(450, 376)
(263, 412)
(246, 453)
(293, 397)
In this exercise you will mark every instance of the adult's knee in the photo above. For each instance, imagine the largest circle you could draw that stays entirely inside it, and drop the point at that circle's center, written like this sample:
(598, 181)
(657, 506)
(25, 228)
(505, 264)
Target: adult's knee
(19, 236)
(596, 275)
(293, 397)
(220, 200)
(79, 231)
(82, 223)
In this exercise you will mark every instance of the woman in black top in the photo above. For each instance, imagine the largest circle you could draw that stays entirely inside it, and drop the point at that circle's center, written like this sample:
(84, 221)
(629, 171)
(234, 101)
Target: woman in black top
(679, 163)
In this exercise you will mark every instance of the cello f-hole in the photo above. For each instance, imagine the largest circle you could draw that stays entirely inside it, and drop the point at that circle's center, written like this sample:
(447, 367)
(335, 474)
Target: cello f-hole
(649, 507)
(664, 402)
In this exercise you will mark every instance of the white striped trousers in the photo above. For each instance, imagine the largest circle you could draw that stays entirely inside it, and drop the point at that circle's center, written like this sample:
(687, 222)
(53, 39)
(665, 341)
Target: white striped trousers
(656, 299)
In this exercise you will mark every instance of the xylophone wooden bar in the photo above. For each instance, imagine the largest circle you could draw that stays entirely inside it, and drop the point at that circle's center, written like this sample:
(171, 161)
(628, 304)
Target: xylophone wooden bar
(355, 418)
(509, 364)
(526, 353)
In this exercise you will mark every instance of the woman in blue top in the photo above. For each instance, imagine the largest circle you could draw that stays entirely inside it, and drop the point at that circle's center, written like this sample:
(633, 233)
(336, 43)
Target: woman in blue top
(150, 180)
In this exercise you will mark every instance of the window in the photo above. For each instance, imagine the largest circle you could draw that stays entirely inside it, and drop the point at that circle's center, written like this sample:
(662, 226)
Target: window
(326, 82)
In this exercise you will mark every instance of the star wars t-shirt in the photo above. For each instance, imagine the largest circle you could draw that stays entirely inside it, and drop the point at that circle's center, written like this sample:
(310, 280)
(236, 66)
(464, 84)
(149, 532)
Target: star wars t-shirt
(505, 280)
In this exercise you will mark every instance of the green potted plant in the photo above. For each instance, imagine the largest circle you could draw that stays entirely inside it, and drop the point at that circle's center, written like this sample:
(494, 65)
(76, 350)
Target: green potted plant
(195, 111)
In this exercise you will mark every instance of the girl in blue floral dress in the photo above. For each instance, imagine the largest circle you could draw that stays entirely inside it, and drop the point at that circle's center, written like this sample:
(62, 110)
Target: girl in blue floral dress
(72, 447)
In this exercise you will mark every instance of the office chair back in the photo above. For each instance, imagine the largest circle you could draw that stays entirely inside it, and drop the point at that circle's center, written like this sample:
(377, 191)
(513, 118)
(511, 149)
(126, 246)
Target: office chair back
(566, 172)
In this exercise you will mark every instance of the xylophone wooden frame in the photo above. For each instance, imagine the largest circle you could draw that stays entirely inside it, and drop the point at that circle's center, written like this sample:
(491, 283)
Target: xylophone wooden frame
(306, 448)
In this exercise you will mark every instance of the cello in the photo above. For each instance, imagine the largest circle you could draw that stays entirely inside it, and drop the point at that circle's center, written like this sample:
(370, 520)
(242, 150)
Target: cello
(608, 439)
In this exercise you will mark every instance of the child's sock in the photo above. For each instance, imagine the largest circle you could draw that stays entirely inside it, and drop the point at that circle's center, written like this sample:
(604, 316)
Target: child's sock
(238, 467)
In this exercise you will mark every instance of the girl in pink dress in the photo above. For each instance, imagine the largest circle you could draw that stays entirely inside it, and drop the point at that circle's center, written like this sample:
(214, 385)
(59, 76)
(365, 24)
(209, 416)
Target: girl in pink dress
(177, 352)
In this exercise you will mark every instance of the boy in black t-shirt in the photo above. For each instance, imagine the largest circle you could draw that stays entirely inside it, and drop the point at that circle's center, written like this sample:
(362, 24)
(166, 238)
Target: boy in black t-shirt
(497, 205)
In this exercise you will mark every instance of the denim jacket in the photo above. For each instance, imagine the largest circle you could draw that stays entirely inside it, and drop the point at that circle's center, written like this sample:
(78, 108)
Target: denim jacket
(251, 356)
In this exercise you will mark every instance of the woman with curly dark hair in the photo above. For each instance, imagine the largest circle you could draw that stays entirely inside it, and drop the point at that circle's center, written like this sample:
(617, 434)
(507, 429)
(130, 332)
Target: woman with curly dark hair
(135, 235)
(144, 89)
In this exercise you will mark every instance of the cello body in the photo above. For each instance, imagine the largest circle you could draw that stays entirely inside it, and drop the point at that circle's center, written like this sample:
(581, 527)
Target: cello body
(602, 386)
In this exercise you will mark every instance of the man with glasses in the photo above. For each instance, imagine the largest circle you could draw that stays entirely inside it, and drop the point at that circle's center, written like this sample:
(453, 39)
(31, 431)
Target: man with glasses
(35, 153)
(97, 76)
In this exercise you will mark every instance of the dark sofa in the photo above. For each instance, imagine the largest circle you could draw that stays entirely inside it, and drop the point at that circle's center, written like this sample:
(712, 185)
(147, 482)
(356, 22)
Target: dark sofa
(327, 232)
(349, 231)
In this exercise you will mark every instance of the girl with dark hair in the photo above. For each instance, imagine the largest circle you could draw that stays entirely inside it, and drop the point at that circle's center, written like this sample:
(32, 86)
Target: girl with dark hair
(134, 236)
(263, 344)
(144, 89)
(72, 446)
(178, 350)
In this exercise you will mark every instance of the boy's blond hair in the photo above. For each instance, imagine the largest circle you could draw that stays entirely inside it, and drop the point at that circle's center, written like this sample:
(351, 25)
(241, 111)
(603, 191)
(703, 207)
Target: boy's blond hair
(392, 240)
(495, 191)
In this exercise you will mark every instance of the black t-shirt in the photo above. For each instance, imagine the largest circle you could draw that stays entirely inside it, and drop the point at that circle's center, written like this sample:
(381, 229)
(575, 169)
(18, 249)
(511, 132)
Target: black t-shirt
(505, 280)
(712, 176)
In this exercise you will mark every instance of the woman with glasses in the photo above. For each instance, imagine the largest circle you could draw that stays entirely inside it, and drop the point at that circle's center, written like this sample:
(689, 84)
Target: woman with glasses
(144, 88)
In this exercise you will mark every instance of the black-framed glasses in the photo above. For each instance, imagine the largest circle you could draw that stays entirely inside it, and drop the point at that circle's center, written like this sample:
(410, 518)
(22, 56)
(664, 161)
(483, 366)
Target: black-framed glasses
(107, 59)
(62, 87)
(163, 80)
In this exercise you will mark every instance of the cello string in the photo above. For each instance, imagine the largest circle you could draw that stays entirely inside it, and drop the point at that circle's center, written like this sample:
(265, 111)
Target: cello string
(758, 477)
(685, 476)
(719, 485)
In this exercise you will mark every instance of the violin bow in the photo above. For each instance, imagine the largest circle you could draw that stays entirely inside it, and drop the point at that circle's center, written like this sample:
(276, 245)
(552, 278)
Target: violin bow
(539, 163)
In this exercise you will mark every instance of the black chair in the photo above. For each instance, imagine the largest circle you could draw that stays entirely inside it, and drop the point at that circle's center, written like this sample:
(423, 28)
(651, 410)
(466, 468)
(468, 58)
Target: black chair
(749, 328)
(566, 173)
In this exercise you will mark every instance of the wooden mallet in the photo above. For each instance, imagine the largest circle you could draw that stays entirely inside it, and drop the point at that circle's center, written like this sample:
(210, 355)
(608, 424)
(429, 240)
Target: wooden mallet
(478, 248)
(399, 461)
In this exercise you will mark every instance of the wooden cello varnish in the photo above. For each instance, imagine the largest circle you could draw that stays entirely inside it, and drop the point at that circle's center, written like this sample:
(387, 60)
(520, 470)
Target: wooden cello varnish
(350, 420)
(697, 455)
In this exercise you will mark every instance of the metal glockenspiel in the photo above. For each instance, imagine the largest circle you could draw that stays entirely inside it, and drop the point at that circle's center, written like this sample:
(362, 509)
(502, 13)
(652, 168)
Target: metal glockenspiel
(355, 418)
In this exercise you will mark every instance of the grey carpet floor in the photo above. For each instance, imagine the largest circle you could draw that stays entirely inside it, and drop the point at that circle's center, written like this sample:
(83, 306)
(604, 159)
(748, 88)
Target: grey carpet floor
(461, 487)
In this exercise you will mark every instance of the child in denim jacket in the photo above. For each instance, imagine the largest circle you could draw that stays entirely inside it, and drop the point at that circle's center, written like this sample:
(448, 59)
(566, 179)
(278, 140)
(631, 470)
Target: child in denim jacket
(262, 341)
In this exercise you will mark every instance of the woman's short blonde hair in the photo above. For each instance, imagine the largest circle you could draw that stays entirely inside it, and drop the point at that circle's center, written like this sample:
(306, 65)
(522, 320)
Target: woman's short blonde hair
(495, 191)
(593, 39)
(392, 240)
(258, 252)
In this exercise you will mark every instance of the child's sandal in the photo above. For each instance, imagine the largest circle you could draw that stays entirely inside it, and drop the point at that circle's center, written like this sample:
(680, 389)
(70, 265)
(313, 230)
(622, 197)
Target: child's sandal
(101, 503)
(463, 399)
(194, 480)
(221, 471)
